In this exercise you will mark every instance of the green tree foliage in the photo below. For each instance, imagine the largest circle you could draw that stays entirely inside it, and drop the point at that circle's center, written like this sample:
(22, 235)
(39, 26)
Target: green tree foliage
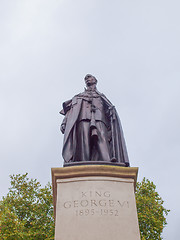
(27, 211)
(151, 213)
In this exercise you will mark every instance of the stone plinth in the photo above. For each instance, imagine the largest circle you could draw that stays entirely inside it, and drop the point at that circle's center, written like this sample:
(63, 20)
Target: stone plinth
(95, 202)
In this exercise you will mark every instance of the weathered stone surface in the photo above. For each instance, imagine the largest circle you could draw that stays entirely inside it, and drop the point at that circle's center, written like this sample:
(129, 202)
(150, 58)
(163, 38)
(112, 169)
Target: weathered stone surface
(95, 207)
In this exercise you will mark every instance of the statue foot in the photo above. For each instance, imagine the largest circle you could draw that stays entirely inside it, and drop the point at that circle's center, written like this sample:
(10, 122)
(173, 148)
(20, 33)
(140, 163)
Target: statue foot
(113, 159)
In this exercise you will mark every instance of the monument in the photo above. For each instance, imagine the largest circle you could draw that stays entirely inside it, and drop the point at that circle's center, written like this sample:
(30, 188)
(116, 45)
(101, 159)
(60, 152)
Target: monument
(94, 192)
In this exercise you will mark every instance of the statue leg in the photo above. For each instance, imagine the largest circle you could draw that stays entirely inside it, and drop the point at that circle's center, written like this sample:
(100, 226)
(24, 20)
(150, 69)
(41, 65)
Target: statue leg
(103, 143)
(83, 144)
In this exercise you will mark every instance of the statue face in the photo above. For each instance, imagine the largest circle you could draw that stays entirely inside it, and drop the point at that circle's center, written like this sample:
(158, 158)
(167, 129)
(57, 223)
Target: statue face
(90, 80)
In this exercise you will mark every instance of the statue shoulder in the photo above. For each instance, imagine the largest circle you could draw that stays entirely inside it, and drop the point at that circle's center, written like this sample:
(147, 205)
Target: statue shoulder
(79, 94)
(101, 94)
(66, 106)
(82, 94)
(105, 99)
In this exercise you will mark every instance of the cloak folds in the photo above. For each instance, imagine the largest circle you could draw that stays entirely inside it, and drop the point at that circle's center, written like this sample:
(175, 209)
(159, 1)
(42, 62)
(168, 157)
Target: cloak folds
(71, 110)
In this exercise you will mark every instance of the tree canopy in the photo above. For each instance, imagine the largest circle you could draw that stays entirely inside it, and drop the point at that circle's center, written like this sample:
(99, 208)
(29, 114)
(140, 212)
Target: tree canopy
(151, 213)
(26, 212)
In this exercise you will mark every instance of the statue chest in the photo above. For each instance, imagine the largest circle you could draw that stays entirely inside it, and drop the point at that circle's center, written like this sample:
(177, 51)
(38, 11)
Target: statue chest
(90, 105)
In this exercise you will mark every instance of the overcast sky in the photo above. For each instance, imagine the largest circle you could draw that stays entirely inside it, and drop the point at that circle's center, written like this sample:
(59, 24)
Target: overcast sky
(133, 49)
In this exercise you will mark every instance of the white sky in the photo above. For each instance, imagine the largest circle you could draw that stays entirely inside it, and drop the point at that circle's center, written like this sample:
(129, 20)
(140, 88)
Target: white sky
(132, 47)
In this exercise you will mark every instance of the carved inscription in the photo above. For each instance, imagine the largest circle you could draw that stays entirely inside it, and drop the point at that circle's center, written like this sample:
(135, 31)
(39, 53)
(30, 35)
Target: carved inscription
(91, 203)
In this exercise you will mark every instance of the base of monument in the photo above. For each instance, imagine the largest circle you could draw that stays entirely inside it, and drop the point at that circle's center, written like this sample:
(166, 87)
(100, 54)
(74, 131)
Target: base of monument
(95, 163)
(95, 202)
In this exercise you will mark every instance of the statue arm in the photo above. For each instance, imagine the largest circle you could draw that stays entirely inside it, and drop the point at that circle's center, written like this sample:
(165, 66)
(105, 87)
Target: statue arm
(65, 111)
(63, 124)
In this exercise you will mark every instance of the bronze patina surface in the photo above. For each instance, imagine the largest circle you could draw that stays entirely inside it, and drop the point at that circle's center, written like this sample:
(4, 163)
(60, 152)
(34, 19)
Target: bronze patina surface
(92, 129)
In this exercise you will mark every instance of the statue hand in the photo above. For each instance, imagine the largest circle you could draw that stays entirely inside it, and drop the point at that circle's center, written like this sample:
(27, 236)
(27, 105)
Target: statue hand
(62, 128)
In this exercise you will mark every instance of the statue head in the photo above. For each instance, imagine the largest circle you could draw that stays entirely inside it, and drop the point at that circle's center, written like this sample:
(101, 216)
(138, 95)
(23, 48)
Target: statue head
(90, 80)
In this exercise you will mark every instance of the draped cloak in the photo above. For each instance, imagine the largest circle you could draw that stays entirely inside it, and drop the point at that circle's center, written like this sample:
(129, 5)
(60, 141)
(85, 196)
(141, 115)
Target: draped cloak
(71, 109)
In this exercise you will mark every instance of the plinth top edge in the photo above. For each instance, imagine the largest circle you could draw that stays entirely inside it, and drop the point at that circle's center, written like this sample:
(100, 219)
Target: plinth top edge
(95, 170)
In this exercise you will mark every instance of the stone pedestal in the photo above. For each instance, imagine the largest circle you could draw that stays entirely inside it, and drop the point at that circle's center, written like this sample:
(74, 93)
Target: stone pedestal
(95, 202)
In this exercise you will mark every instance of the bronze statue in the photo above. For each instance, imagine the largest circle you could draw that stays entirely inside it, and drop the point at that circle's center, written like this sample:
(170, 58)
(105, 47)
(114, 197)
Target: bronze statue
(92, 129)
